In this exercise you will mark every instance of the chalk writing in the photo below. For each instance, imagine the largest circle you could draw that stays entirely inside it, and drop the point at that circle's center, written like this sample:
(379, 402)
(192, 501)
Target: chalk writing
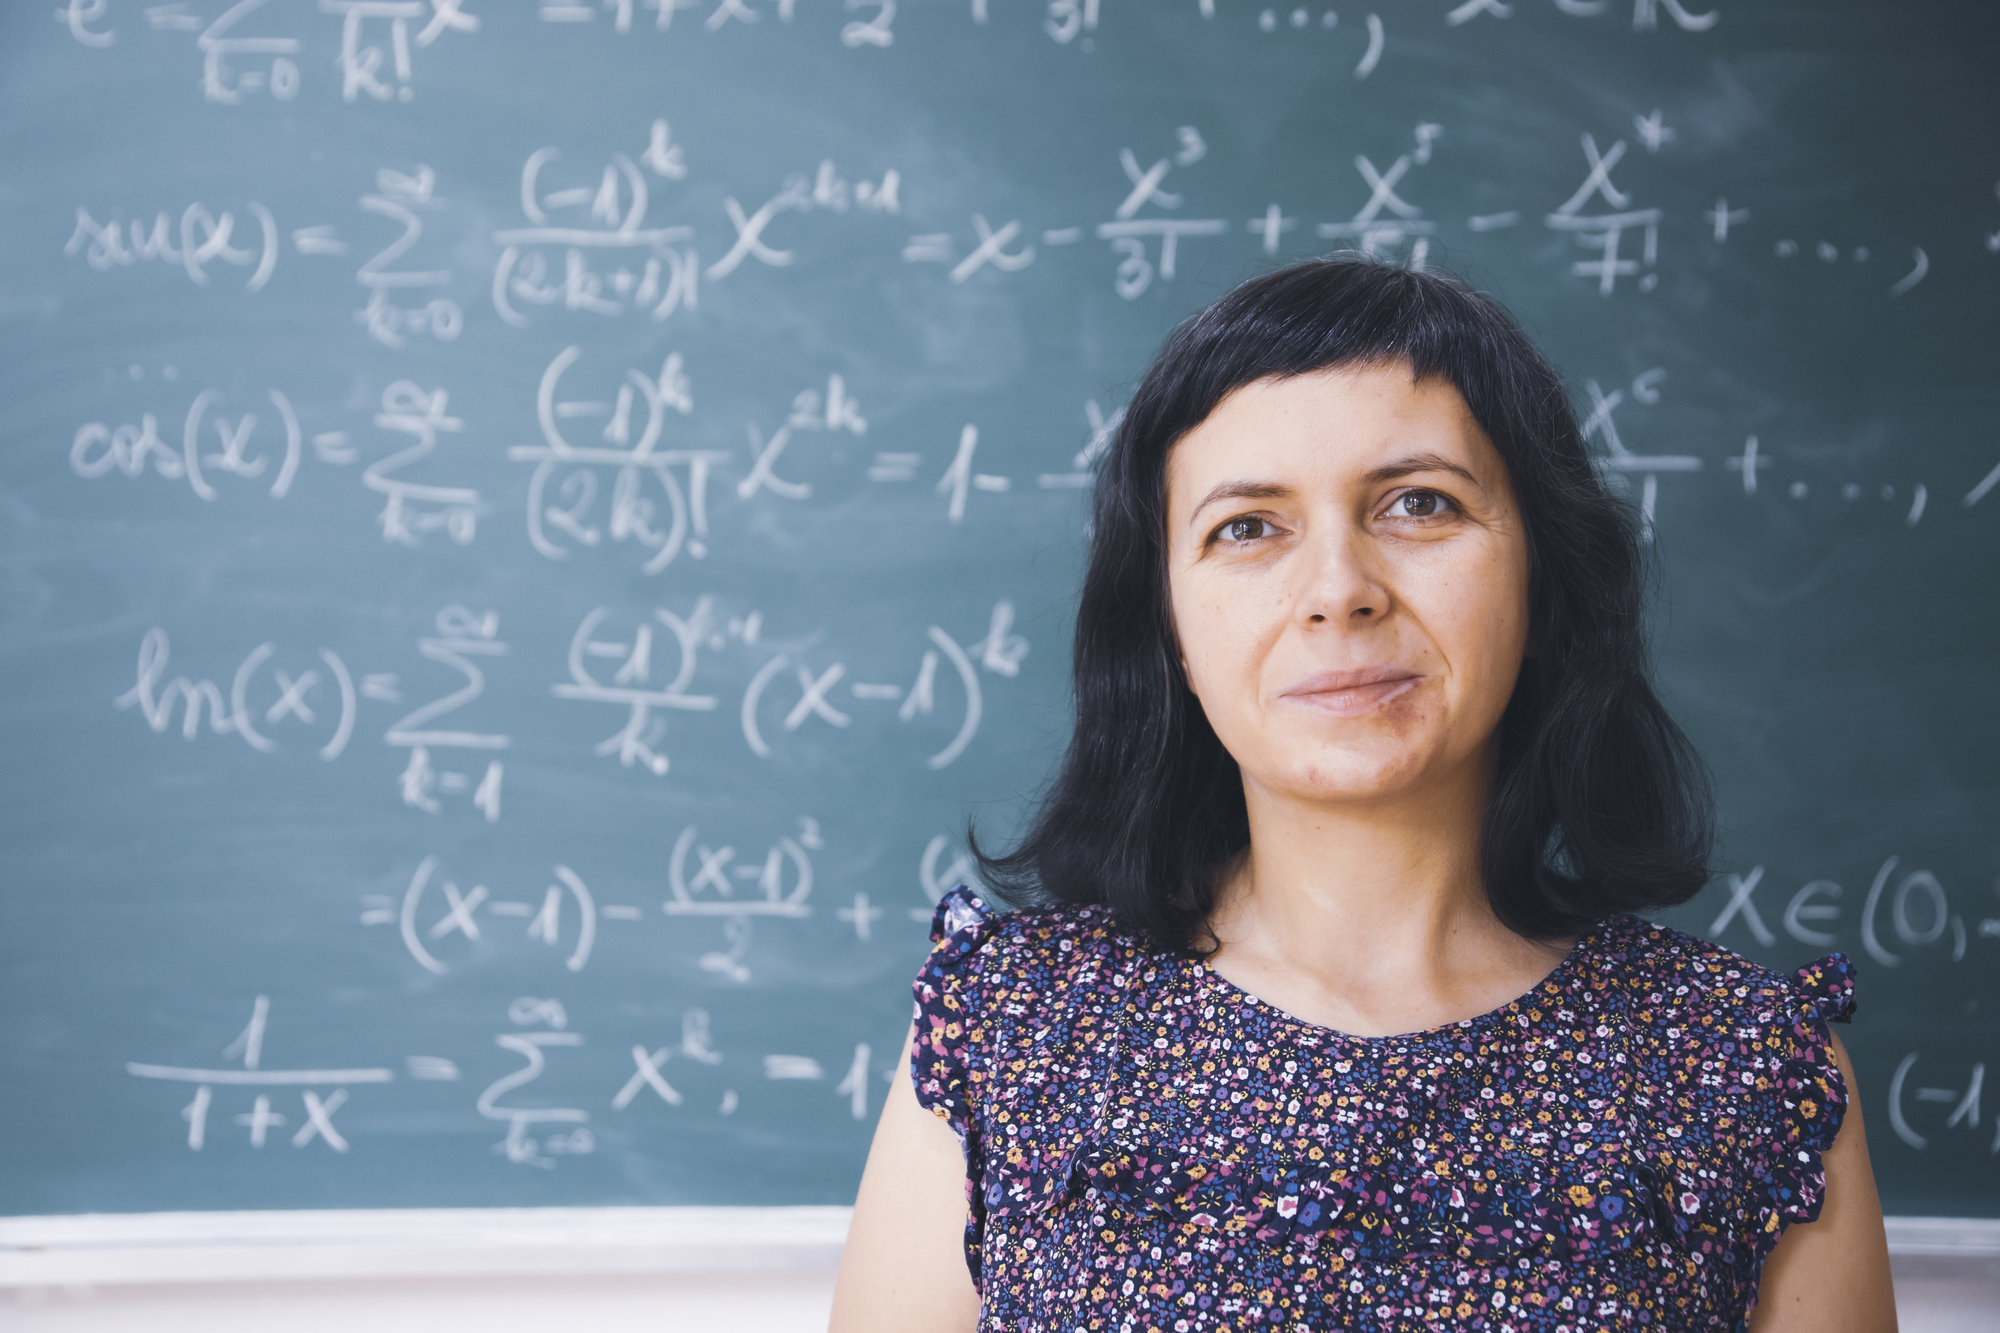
(204, 239)
(1603, 231)
(815, 688)
(633, 684)
(401, 198)
(1964, 1103)
(606, 218)
(522, 1146)
(361, 61)
(316, 1111)
(221, 41)
(563, 517)
(1376, 233)
(304, 699)
(776, 337)
(424, 927)
(1129, 232)
(99, 448)
(411, 509)
(1618, 462)
(703, 880)
(1899, 915)
(462, 637)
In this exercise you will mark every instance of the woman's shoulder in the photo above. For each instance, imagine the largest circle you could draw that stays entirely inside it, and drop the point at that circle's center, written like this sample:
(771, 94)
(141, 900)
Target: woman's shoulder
(1734, 1064)
(1671, 979)
(1053, 944)
(1006, 991)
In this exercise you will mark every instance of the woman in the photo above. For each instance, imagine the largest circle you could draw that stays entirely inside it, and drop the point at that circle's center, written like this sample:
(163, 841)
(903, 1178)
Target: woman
(1325, 1007)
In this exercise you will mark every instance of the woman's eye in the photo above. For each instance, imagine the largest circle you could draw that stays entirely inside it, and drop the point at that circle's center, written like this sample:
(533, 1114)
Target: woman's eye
(1419, 504)
(1244, 529)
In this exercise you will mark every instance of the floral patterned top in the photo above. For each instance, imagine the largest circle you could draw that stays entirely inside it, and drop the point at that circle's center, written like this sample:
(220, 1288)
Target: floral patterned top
(1150, 1147)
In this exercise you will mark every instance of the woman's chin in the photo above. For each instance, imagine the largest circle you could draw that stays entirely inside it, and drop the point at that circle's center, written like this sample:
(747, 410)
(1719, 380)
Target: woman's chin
(1346, 777)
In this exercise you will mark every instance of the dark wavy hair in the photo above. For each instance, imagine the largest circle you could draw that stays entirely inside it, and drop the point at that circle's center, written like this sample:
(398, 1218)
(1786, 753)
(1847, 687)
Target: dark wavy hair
(1599, 803)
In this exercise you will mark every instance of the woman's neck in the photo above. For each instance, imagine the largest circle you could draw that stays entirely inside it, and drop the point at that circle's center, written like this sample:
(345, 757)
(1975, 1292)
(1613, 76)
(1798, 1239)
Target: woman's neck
(1370, 919)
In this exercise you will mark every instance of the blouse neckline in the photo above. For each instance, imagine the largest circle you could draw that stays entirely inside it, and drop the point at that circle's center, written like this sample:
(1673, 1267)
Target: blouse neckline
(1549, 988)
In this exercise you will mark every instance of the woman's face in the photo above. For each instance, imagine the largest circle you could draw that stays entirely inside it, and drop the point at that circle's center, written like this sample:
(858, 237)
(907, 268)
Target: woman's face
(1349, 579)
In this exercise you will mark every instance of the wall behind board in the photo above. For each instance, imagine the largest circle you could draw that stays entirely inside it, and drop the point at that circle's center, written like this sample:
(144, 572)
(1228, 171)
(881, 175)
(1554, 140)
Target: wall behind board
(526, 527)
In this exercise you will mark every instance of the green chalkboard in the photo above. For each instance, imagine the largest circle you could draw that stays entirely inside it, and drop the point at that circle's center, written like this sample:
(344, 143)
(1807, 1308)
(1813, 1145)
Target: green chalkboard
(526, 526)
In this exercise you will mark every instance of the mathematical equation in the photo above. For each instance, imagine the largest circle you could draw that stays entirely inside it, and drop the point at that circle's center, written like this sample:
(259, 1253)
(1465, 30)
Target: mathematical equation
(536, 1135)
(408, 25)
(318, 699)
(622, 491)
(1905, 913)
(548, 260)
(589, 245)
(704, 877)
(242, 57)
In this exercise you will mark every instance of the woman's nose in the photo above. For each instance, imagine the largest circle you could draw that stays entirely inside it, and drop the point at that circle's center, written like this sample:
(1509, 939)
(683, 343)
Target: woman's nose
(1338, 581)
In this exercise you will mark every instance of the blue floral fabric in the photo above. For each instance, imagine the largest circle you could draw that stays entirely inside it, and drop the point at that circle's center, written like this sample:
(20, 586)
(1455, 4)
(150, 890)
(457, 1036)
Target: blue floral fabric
(1149, 1147)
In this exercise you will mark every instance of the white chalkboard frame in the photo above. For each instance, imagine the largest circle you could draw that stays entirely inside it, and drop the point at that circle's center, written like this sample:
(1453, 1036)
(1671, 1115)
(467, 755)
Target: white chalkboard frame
(88, 1249)
(92, 1249)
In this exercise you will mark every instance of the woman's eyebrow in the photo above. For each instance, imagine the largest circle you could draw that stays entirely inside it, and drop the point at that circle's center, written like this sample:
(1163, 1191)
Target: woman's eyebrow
(1426, 462)
(1242, 490)
(1402, 467)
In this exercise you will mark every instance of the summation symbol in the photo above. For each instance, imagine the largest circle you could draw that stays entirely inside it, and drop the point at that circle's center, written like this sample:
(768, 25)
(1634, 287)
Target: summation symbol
(411, 509)
(529, 1142)
(403, 199)
(219, 41)
(462, 637)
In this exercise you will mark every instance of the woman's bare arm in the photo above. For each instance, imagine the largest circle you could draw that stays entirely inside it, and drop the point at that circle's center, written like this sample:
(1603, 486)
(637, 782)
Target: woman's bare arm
(1832, 1275)
(903, 1270)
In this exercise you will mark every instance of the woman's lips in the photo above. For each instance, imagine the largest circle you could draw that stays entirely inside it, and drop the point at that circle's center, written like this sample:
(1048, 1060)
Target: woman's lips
(1352, 700)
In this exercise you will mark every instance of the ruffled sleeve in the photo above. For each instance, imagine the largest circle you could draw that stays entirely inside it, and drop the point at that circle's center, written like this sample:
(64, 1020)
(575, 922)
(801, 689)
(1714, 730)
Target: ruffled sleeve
(1808, 1097)
(949, 1020)
(946, 1058)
